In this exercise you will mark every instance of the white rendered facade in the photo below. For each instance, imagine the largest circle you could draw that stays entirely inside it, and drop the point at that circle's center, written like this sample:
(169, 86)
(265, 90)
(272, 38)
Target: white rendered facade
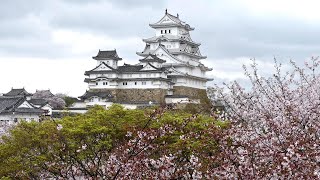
(23, 112)
(170, 59)
(144, 75)
(172, 42)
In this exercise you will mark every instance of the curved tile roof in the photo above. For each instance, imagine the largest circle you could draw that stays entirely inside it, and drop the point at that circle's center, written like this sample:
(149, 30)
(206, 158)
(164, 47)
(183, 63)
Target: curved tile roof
(110, 54)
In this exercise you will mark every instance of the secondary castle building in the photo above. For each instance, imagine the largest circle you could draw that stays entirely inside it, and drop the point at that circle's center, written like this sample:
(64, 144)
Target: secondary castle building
(169, 70)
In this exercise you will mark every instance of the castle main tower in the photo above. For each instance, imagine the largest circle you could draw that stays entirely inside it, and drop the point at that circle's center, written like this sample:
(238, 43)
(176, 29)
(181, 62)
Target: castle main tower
(170, 70)
(172, 42)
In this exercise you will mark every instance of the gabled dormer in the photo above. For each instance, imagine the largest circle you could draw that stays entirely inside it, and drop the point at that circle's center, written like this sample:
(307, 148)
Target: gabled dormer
(109, 57)
(153, 60)
(170, 25)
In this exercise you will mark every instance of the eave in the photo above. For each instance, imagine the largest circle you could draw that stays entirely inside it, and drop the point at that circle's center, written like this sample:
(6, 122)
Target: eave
(189, 54)
(100, 58)
(131, 79)
(100, 72)
(164, 25)
(172, 40)
(194, 77)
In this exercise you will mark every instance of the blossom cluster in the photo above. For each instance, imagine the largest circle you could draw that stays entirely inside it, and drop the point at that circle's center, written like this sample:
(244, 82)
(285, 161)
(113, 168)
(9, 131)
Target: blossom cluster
(275, 125)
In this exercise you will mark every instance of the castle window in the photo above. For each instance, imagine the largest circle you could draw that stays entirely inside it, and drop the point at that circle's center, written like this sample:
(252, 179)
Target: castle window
(96, 83)
(144, 82)
(135, 83)
(169, 31)
(125, 83)
(165, 31)
(161, 31)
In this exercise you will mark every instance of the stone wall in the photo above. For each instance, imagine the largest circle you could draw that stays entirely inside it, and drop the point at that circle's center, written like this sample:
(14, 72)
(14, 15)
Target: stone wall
(193, 93)
(158, 95)
(136, 95)
(189, 91)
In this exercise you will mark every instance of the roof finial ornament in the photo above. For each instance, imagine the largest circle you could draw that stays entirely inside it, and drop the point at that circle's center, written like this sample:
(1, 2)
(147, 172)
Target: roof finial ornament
(177, 15)
(166, 11)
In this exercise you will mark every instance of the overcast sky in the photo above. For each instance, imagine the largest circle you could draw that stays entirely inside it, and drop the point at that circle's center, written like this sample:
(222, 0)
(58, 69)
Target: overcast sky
(48, 44)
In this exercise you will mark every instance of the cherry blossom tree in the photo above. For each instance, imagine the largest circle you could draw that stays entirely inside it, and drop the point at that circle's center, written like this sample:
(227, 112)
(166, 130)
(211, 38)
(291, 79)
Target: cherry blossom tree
(275, 125)
(113, 144)
(56, 101)
(270, 131)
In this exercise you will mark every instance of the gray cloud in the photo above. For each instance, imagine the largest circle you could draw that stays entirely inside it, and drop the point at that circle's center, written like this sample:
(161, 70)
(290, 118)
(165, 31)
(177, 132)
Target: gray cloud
(106, 18)
(34, 21)
(226, 30)
(124, 4)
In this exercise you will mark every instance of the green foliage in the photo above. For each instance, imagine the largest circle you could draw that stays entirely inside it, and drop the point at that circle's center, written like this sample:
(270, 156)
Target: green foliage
(69, 100)
(31, 145)
(192, 133)
(54, 145)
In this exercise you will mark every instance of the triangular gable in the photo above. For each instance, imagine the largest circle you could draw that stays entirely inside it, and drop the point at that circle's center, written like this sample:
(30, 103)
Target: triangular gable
(25, 104)
(198, 52)
(102, 67)
(164, 54)
(148, 67)
(176, 71)
(167, 20)
(149, 57)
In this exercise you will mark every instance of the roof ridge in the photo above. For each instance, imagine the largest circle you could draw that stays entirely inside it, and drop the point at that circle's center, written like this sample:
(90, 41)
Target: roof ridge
(108, 66)
(107, 54)
(155, 67)
(18, 103)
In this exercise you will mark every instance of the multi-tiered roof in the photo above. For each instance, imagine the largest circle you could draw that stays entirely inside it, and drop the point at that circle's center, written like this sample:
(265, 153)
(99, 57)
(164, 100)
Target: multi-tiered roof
(170, 59)
(171, 21)
(171, 29)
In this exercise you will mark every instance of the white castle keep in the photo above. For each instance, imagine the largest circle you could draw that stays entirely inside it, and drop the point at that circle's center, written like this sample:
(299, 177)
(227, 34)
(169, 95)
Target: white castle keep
(169, 71)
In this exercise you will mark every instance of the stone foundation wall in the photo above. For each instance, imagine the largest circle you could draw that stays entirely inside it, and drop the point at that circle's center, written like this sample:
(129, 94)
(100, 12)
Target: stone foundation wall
(158, 95)
(189, 91)
(135, 95)
(193, 93)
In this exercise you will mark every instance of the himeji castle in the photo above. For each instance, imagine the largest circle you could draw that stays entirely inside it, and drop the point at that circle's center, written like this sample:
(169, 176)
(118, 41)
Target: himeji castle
(169, 70)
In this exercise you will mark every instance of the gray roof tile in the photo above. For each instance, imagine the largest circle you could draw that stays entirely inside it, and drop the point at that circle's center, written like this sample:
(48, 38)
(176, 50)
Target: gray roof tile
(111, 54)
(130, 68)
(9, 103)
(152, 58)
(18, 92)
